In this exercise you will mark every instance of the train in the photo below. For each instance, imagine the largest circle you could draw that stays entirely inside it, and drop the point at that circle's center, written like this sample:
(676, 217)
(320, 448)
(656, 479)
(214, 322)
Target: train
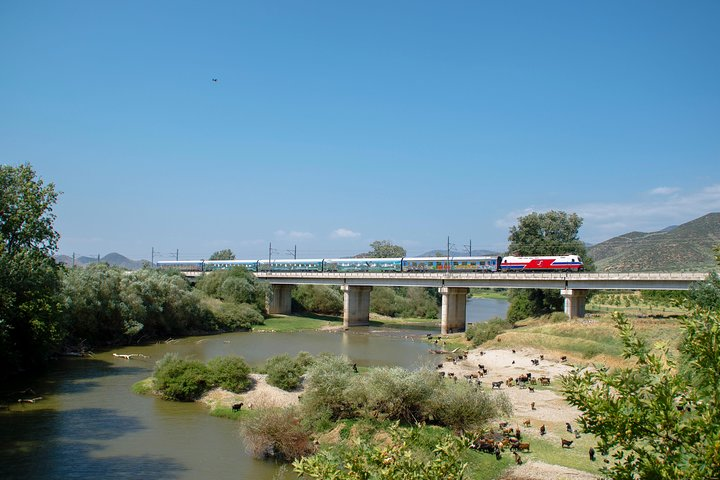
(477, 264)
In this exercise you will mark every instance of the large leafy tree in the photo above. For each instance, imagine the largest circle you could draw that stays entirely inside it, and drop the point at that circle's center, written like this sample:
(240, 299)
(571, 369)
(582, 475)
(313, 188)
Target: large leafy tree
(384, 249)
(30, 279)
(550, 233)
(225, 254)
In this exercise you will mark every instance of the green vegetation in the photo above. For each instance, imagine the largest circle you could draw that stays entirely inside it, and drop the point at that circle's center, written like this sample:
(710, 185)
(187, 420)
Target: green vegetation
(285, 372)
(384, 249)
(278, 433)
(242, 297)
(322, 299)
(550, 233)
(230, 373)
(659, 251)
(479, 333)
(298, 322)
(105, 305)
(403, 456)
(30, 330)
(186, 380)
(225, 254)
(659, 417)
(405, 302)
(498, 293)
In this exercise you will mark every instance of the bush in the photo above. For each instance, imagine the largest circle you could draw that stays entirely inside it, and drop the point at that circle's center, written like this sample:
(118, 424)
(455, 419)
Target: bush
(284, 372)
(233, 316)
(318, 299)
(397, 394)
(181, 379)
(326, 385)
(462, 407)
(277, 433)
(479, 333)
(230, 373)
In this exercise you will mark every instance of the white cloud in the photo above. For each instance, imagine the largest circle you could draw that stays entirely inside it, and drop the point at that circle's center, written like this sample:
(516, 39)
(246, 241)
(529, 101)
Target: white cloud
(602, 221)
(293, 234)
(344, 233)
(664, 190)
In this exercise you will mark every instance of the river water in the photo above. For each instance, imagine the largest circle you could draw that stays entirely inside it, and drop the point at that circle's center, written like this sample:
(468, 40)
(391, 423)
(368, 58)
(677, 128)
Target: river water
(90, 424)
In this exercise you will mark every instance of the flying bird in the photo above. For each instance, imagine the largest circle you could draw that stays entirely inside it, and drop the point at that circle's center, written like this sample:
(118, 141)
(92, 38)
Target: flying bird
(215, 80)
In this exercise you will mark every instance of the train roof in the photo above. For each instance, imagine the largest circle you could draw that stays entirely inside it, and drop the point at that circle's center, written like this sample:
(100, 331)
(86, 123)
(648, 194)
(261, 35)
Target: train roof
(293, 260)
(460, 259)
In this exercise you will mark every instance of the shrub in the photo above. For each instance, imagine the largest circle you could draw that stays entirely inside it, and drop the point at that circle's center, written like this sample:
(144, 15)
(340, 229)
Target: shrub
(479, 333)
(558, 317)
(284, 372)
(277, 433)
(318, 299)
(181, 379)
(462, 407)
(230, 373)
(327, 382)
(232, 316)
(397, 394)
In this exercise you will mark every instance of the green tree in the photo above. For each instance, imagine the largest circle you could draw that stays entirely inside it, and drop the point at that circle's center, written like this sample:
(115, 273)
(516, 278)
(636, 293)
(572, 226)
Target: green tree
(550, 233)
(384, 249)
(225, 254)
(659, 418)
(30, 331)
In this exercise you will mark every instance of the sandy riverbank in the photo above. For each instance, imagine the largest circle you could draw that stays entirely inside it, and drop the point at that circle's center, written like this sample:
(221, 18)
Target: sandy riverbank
(550, 410)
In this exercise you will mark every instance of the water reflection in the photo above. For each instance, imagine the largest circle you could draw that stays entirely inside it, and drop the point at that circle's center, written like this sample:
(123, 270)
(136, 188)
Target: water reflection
(91, 425)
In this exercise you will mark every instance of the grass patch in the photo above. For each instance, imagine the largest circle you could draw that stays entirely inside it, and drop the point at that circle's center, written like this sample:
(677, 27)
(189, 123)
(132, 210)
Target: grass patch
(227, 412)
(489, 293)
(296, 323)
(144, 387)
(550, 451)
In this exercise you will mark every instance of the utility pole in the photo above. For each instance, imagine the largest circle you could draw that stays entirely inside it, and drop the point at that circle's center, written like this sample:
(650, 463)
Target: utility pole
(469, 248)
(177, 254)
(448, 254)
(270, 257)
(73, 259)
(292, 252)
(152, 256)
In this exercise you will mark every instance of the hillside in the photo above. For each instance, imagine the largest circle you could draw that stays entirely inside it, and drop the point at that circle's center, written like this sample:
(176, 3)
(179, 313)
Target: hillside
(686, 247)
(113, 259)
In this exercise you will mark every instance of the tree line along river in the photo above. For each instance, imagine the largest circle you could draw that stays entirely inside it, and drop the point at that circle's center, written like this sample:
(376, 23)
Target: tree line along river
(90, 424)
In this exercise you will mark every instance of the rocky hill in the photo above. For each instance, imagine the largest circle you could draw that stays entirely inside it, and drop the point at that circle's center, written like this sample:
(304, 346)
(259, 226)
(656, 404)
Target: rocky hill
(682, 248)
(113, 259)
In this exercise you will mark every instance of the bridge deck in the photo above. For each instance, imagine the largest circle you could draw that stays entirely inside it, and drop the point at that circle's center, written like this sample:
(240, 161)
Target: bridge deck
(583, 280)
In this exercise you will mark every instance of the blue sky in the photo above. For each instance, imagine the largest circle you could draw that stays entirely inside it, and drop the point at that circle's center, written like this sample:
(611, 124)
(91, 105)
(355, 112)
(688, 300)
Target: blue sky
(333, 124)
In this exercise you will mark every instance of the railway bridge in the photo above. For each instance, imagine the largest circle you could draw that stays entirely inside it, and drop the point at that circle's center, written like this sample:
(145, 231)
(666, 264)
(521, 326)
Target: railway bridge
(454, 287)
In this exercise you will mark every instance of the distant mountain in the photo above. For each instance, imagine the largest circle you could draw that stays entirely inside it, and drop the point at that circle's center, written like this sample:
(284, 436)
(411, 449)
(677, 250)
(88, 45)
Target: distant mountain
(686, 247)
(113, 259)
(453, 253)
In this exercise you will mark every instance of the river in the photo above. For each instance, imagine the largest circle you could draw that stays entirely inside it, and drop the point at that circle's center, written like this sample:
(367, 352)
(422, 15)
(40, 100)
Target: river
(90, 424)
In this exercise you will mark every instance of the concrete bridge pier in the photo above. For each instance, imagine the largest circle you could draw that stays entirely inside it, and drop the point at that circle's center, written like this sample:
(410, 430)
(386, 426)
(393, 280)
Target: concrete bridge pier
(452, 316)
(280, 300)
(574, 302)
(356, 311)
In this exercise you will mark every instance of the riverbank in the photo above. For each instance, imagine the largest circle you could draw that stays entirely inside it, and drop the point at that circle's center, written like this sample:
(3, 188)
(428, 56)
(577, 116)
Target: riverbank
(543, 405)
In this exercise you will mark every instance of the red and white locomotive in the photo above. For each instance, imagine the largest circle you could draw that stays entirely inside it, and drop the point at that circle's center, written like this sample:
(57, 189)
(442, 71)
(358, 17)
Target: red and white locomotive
(549, 263)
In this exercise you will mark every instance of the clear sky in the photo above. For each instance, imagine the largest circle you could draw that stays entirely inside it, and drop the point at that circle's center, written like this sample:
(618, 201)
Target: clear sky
(333, 124)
